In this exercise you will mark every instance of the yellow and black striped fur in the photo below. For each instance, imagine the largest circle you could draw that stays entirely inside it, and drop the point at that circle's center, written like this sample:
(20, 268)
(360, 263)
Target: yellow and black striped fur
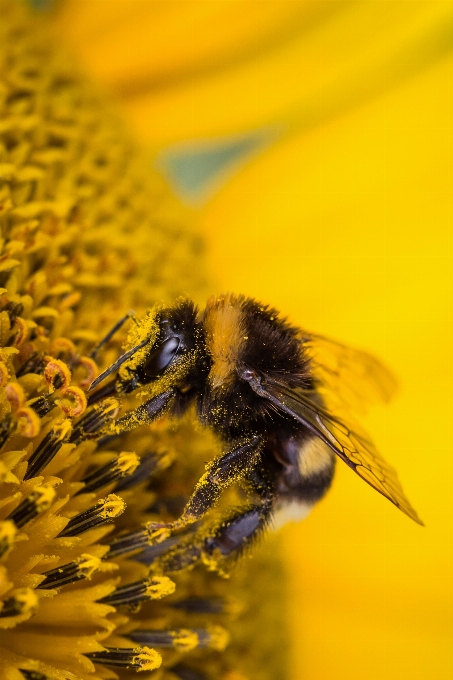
(254, 381)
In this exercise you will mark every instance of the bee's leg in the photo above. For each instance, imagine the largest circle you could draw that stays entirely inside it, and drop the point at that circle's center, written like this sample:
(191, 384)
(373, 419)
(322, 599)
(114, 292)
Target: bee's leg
(231, 537)
(236, 532)
(145, 413)
(220, 473)
(95, 351)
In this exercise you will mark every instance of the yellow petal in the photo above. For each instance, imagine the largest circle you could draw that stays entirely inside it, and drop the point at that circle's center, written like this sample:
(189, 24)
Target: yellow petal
(195, 69)
(315, 215)
(164, 44)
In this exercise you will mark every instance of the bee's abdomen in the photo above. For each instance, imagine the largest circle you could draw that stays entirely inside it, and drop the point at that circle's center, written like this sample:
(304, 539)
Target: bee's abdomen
(314, 457)
(309, 470)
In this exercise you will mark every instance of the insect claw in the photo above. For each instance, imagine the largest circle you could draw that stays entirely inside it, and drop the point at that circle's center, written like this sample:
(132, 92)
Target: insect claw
(158, 532)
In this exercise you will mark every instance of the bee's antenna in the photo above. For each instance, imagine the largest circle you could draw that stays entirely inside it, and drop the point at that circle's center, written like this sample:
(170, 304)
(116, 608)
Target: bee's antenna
(116, 365)
(95, 351)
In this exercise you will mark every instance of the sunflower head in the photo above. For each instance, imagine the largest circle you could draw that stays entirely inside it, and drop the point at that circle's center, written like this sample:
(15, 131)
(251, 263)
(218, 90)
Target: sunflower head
(87, 232)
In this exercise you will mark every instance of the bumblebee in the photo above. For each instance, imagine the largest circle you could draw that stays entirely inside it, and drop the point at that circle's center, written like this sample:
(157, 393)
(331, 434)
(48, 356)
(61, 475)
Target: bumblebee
(271, 392)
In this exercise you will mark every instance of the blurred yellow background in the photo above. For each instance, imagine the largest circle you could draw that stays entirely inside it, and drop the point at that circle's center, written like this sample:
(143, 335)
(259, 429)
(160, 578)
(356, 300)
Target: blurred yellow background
(331, 199)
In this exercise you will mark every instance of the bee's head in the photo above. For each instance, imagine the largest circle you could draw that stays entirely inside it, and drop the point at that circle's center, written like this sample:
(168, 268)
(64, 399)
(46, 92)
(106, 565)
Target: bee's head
(170, 343)
(166, 350)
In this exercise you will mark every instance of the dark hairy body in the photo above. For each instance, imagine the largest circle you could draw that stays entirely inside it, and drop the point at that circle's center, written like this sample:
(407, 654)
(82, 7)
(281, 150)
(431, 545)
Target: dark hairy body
(255, 380)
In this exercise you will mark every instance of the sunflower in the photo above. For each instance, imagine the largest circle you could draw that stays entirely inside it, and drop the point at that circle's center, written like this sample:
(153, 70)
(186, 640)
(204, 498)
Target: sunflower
(88, 232)
(316, 138)
(326, 129)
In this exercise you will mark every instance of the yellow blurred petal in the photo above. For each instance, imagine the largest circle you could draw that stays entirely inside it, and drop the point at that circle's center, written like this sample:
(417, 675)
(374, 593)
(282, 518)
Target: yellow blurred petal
(164, 44)
(311, 209)
(224, 67)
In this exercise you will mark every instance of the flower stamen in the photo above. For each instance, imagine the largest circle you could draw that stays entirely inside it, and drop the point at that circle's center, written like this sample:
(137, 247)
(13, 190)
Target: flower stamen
(6, 426)
(73, 401)
(153, 588)
(123, 466)
(33, 675)
(183, 639)
(40, 406)
(4, 374)
(28, 422)
(131, 543)
(8, 532)
(15, 395)
(139, 541)
(90, 368)
(22, 331)
(82, 568)
(105, 511)
(158, 547)
(23, 602)
(149, 464)
(47, 449)
(139, 658)
(201, 605)
(63, 347)
(56, 374)
(34, 364)
(39, 500)
(94, 421)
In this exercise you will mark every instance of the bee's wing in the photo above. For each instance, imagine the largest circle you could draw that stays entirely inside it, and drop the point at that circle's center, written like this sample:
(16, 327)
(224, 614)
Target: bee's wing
(352, 446)
(348, 376)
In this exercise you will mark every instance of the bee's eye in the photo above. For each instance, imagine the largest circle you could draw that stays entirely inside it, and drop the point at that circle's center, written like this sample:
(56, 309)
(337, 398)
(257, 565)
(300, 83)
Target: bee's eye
(161, 358)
